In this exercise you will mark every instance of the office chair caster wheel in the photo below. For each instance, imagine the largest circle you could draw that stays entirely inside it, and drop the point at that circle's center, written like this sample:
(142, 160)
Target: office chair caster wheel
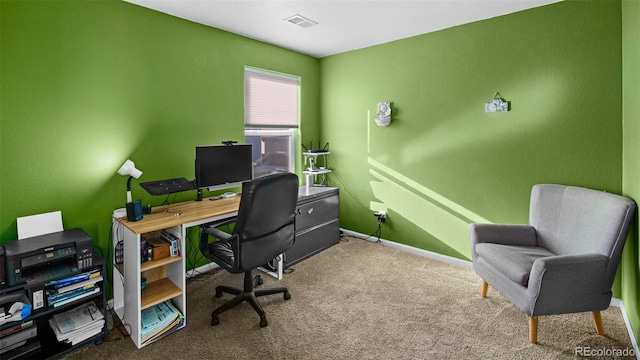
(260, 281)
(215, 320)
(263, 322)
(287, 296)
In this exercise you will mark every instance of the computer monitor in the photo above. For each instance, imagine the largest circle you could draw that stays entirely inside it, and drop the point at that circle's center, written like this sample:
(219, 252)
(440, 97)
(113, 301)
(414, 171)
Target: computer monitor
(223, 166)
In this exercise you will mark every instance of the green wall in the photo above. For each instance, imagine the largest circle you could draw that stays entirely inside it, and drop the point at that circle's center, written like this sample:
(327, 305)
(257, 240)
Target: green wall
(444, 163)
(630, 266)
(87, 85)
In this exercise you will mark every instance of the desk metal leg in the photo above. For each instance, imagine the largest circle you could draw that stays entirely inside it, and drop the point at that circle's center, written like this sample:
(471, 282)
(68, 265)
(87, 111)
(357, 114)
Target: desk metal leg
(279, 267)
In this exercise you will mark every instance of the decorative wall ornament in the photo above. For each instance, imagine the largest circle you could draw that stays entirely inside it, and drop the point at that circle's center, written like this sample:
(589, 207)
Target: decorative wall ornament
(384, 114)
(497, 104)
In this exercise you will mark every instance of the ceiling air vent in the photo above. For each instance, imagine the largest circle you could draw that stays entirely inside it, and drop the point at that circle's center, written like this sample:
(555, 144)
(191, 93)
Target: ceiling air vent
(301, 21)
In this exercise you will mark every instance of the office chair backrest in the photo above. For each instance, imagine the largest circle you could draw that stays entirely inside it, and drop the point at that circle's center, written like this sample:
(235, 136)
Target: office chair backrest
(572, 220)
(266, 218)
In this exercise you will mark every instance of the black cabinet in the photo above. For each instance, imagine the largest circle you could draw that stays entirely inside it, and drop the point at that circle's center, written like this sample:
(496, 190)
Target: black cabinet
(46, 345)
(317, 223)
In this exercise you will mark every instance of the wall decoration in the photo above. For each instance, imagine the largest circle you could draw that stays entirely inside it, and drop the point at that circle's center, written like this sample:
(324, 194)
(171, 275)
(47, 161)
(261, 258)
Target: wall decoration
(384, 114)
(497, 104)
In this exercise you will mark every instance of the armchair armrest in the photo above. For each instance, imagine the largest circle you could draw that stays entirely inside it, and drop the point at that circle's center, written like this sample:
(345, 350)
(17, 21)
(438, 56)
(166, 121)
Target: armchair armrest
(567, 283)
(519, 235)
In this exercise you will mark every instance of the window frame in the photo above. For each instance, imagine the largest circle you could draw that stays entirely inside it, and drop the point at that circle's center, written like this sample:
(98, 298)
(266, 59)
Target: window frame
(277, 128)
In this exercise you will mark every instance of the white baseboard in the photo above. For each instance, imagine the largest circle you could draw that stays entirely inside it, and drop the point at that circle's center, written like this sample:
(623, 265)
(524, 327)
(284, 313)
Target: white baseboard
(411, 249)
(619, 304)
(468, 264)
(201, 269)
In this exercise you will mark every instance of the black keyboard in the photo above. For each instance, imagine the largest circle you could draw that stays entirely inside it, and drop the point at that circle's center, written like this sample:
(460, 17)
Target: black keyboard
(169, 186)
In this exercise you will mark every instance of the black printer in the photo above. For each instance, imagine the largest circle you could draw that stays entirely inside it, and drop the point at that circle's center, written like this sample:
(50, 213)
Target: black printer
(32, 256)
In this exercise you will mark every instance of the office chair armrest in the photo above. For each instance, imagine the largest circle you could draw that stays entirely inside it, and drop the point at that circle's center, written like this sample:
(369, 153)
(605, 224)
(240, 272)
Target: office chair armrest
(220, 256)
(219, 223)
(218, 234)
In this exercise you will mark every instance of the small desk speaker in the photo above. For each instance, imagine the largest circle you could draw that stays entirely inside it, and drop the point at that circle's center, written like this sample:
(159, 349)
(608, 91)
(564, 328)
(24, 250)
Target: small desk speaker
(134, 210)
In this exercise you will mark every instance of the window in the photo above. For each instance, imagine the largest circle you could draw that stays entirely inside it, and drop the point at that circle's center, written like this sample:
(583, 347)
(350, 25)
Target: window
(272, 150)
(271, 114)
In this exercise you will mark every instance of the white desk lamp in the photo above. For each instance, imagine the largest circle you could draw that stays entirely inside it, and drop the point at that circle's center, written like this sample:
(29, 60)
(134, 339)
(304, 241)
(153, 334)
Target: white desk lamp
(134, 209)
(129, 168)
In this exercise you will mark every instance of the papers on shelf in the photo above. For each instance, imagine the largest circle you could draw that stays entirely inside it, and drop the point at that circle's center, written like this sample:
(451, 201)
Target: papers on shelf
(160, 319)
(66, 283)
(75, 295)
(64, 291)
(78, 324)
(81, 284)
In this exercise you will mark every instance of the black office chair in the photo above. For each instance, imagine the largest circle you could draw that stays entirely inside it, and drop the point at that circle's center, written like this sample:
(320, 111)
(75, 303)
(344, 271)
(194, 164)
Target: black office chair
(264, 229)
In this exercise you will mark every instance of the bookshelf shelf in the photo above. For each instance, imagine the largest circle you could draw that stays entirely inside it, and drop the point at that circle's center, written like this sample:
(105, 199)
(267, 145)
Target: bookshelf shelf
(152, 264)
(157, 292)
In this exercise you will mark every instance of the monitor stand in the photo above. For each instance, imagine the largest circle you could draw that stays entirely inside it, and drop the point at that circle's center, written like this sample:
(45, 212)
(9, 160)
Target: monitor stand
(199, 194)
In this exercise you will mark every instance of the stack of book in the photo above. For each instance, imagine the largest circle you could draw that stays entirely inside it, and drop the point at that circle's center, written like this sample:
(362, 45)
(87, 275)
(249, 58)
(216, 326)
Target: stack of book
(159, 320)
(64, 291)
(174, 242)
(14, 337)
(78, 324)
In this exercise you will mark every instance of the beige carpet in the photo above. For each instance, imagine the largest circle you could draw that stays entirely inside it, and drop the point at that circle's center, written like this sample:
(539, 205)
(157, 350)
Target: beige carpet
(361, 300)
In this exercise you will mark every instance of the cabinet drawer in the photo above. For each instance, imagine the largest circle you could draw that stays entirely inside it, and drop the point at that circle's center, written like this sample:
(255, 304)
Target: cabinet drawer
(316, 212)
(313, 240)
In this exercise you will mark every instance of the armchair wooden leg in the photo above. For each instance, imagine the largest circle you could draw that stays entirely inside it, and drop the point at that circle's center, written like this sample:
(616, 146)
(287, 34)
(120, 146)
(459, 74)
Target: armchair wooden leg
(597, 318)
(533, 330)
(483, 290)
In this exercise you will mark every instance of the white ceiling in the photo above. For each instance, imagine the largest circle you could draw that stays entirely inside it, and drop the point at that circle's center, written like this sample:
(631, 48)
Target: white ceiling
(341, 25)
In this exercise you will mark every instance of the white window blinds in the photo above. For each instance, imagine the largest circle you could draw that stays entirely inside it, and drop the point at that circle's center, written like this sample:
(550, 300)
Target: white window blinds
(270, 99)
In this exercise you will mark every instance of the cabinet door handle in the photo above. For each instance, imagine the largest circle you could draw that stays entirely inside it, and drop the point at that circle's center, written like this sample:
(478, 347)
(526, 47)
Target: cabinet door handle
(310, 211)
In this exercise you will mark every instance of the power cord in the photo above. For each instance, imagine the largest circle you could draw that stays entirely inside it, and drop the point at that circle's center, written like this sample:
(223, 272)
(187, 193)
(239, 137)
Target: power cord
(380, 215)
(378, 232)
(193, 256)
(346, 188)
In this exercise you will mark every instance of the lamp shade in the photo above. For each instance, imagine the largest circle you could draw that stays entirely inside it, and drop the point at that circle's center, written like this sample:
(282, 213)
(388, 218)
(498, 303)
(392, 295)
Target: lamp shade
(129, 168)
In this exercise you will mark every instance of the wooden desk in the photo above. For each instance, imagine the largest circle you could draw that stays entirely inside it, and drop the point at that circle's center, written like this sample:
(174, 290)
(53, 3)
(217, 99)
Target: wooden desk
(318, 227)
(165, 278)
(189, 212)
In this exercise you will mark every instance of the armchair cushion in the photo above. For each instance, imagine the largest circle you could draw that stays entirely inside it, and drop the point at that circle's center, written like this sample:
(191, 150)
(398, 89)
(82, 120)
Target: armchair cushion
(514, 262)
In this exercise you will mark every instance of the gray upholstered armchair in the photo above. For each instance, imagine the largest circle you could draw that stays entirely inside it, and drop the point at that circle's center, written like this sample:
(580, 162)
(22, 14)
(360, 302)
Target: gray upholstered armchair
(564, 261)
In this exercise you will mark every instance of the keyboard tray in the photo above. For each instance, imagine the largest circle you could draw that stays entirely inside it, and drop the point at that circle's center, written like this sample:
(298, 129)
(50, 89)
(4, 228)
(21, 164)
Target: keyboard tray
(169, 186)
